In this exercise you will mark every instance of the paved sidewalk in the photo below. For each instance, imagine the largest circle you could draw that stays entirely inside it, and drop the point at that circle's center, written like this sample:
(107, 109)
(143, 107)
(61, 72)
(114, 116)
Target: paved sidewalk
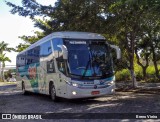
(7, 83)
(128, 84)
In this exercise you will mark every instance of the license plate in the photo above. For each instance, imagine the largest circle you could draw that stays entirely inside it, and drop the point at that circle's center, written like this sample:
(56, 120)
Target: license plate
(95, 92)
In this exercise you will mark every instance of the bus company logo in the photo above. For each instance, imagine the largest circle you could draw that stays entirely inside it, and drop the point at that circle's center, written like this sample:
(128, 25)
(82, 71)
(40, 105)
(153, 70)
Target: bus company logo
(101, 81)
(32, 72)
(95, 86)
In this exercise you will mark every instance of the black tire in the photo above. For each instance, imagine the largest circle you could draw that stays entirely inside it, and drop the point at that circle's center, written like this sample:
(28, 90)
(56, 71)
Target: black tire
(53, 93)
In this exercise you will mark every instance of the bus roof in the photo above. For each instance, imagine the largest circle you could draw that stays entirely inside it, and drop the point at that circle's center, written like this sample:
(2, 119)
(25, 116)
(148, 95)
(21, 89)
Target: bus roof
(66, 34)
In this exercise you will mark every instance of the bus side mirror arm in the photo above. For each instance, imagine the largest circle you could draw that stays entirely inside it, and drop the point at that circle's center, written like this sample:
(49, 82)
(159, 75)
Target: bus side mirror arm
(118, 51)
(64, 51)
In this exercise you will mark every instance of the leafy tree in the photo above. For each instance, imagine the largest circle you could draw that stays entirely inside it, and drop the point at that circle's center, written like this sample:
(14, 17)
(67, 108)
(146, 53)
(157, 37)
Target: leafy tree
(123, 22)
(143, 55)
(155, 49)
(128, 25)
(150, 45)
(21, 47)
(7, 74)
(3, 59)
(4, 48)
(71, 15)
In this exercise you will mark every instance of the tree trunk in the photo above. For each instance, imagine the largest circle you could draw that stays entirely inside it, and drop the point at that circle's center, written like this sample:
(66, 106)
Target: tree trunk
(155, 62)
(132, 50)
(144, 68)
(133, 77)
(156, 68)
(144, 73)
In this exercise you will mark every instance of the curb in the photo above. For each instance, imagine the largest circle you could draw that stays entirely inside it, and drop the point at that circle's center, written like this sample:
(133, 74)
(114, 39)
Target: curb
(7, 83)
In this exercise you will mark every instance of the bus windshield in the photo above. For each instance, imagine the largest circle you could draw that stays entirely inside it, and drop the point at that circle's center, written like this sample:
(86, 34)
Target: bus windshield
(89, 58)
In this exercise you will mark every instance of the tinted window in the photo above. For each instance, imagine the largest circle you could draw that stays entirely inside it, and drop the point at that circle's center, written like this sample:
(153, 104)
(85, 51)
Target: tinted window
(62, 67)
(46, 49)
(20, 60)
(89, 58)
(56, 42)
(32, 55)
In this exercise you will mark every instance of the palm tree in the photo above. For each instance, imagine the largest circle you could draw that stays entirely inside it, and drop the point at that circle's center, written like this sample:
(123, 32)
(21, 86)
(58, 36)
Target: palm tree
(3, 59)
(4, 47)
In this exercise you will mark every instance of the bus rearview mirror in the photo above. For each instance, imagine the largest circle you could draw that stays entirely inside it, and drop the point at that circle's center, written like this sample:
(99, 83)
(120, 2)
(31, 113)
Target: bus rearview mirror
(118, 51)
(64, 51)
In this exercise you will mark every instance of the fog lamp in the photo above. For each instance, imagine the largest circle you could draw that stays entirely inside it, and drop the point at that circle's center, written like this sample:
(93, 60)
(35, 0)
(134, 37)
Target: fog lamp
(113, 90)
(74, 93)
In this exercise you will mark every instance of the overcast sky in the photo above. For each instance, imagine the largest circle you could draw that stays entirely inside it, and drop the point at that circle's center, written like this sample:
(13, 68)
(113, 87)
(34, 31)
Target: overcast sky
(13, 26)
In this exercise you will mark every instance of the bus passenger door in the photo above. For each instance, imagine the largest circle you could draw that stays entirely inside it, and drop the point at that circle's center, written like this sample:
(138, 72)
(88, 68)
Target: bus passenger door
(61, 77)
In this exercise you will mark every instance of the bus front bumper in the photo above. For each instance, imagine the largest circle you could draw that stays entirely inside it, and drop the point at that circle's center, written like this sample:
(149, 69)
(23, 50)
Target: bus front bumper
(74, 92)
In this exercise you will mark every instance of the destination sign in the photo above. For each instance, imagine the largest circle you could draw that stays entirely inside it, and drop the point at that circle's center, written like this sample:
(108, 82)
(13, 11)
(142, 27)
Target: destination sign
(77, 42)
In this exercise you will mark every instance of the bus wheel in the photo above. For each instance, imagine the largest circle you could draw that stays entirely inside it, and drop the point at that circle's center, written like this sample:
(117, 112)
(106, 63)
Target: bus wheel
(53, 93)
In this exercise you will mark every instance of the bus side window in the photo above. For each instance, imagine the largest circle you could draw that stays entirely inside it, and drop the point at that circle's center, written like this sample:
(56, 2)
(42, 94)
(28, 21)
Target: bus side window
(61, 67)
(57, 50)
(46, 49)
(56, 42)
(32, 55)
(21, 60)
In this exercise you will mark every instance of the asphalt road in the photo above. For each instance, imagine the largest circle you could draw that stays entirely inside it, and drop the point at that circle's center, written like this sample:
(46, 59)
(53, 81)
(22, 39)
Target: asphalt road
(12, 101)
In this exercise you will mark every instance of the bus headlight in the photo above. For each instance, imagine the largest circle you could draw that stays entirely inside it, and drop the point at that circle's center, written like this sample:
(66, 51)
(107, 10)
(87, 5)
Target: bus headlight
(110, 83)
(68, 82)
(71, 83)
(75, 84)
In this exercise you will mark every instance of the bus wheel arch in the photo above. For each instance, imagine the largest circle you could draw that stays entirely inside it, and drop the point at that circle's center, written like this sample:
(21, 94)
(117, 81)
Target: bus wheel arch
(52, 91)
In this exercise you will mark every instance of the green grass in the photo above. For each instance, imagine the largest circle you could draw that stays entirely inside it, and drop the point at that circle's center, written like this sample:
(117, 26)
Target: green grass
(124, 74)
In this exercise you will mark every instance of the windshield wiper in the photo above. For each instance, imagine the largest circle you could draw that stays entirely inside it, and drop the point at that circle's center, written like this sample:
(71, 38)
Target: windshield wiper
(89, 61)
(86, 68)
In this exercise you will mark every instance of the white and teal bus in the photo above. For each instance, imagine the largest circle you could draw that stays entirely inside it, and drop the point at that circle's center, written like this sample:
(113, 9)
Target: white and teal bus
(69, 65)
